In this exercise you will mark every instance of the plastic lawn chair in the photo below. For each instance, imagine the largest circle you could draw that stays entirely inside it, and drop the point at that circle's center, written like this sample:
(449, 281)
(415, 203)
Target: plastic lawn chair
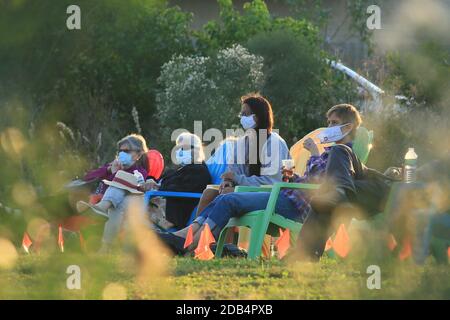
(262, 222)
(361, 146)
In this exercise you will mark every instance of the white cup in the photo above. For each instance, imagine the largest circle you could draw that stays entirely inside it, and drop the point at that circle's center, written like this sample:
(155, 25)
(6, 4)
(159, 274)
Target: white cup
(288, 163)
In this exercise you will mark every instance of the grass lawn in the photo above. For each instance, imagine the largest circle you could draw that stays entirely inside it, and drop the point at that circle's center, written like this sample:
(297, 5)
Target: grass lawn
(45, 277)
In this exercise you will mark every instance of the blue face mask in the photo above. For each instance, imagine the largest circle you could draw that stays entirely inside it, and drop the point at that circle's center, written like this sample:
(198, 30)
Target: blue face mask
(248, 122)
(125, 159)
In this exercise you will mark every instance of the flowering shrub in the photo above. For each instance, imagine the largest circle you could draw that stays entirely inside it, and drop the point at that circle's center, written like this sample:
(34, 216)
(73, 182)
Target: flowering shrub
(206, 88)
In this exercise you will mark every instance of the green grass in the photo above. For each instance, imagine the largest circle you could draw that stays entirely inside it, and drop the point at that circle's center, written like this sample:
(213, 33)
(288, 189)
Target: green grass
(44, 277)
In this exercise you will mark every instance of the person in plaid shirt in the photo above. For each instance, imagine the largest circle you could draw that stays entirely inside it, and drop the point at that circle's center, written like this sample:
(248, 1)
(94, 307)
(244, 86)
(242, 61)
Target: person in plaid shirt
(315, 170)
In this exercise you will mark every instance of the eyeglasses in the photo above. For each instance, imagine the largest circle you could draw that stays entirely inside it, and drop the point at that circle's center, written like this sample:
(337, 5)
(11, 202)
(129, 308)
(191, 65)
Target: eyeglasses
(125, 150)
(244, 114)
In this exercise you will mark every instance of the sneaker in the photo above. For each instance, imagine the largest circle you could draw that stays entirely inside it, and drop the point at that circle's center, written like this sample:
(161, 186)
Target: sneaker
(161, 222)
(83, 206)
(230, 250)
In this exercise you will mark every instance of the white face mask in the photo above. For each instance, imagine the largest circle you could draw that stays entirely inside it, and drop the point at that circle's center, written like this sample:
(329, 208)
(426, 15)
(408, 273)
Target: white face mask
(332, 134)
(248, 122)
(184, 157)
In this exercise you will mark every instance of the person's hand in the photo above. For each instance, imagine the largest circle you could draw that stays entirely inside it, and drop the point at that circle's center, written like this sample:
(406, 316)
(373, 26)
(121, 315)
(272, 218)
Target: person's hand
(287, 172)
(394, 173)
(115, 166)
(150, 184)
(311, 146)
(225, 184)
(228, 176)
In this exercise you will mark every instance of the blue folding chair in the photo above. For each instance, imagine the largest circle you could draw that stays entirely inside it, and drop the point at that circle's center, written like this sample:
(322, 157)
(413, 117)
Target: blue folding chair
(216, 166)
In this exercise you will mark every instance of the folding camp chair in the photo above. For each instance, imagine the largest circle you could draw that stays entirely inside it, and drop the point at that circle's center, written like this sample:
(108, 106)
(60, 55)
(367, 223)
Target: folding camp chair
(216, 167)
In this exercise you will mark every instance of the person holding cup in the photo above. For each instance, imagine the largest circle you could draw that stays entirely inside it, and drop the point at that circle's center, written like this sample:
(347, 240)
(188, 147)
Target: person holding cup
(293, 204)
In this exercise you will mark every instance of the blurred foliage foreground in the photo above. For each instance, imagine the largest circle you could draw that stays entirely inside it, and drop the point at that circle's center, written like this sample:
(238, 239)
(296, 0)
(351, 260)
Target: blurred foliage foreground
(143, 269)
(37, 277)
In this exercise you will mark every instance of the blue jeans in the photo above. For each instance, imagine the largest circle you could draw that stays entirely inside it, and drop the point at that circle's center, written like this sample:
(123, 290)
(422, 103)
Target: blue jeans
(236, 204)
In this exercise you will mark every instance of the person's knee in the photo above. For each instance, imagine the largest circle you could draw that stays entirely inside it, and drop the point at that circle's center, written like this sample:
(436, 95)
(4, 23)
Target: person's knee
(230, 200)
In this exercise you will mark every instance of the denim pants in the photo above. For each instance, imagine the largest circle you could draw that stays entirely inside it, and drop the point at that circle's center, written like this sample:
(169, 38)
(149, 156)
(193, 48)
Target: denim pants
(119, 199)
(236, 204)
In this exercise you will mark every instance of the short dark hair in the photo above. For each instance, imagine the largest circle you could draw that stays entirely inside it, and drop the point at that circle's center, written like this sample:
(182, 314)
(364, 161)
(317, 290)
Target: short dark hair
(261, 107)
(348, 114)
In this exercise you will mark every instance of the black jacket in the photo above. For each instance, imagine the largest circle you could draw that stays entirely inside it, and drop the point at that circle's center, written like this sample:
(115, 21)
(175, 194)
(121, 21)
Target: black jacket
(188, 178)
(347, 179)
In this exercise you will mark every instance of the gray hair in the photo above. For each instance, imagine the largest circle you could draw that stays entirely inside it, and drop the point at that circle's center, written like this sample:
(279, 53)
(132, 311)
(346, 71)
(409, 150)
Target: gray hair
(135, 141)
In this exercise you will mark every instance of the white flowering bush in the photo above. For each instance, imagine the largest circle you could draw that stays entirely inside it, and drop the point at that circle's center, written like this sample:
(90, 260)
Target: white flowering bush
(206, 88)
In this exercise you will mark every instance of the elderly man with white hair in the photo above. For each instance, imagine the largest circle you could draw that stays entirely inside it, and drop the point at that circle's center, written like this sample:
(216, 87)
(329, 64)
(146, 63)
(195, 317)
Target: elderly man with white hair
(192, 175)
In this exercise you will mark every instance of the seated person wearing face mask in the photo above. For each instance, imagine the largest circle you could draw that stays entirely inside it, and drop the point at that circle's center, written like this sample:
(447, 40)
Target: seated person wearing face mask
(131, 156)
(343, 120)
(256, 157)
(191, 176)
(131, 159)
(345, 180)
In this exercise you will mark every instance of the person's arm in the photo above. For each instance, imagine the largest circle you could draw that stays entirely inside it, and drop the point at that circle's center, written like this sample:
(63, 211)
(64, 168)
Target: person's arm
(339, 171)
(97, 174)
(143, 172)
(338, 185)
(191, 179)
(270, 173)
(315, 164)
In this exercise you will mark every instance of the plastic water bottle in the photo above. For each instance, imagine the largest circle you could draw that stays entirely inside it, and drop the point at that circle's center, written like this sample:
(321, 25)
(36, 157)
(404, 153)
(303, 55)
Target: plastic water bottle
(139, 177)
(410, 166)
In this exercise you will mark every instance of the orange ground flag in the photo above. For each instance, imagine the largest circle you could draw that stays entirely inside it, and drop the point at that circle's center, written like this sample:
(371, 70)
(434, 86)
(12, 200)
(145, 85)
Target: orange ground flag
(203, 251)
(283, 243)
(26, 242)
(82, 242)
(406, 249)
(341, 243)
(329, 244)
(189, 237)
(391, 242)
(60, 238)
(448, 252)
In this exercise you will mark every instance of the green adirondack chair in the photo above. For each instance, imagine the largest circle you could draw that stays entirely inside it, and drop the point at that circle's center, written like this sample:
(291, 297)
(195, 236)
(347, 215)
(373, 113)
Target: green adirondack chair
(363, 144)
(262, 222)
